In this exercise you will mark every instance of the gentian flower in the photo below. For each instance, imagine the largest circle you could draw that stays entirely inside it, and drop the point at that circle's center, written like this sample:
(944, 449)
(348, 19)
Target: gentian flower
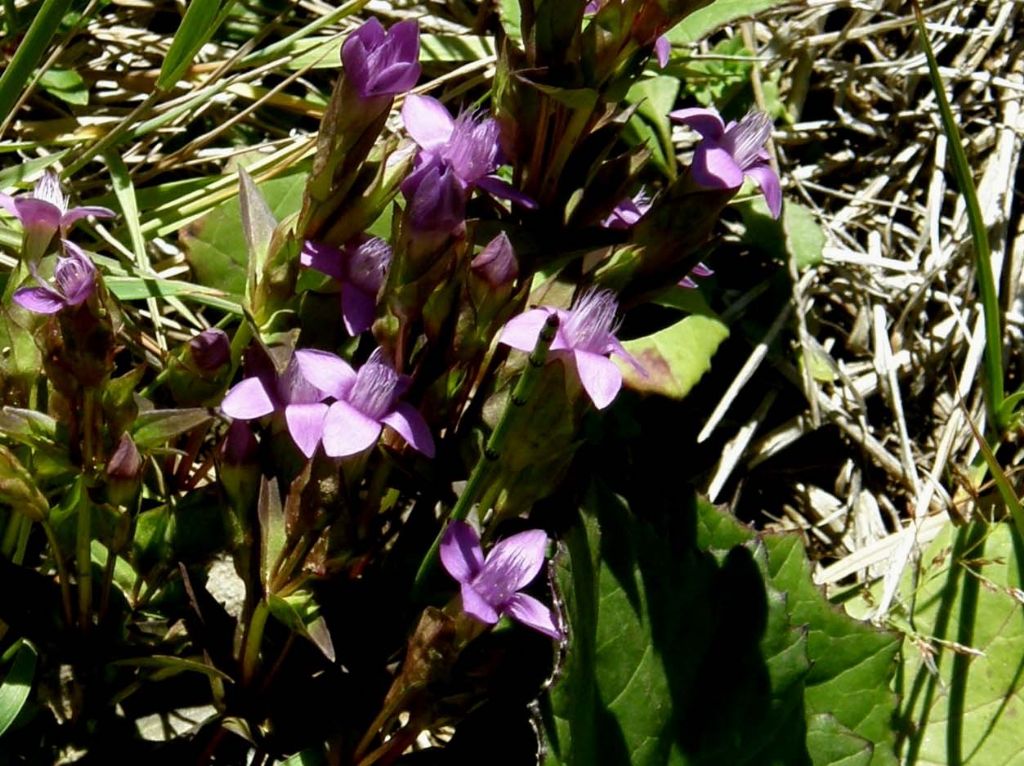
(291, 393)
(380, 63)
(45, 212)
(75, 280)
(585, 336)
(490, 586)
(730, 153)
(360, 266)
(455, 157)
(365, 402)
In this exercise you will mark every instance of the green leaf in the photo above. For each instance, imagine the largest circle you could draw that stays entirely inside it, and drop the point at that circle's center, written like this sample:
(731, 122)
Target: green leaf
(655, 97)
(139, 288)
(674, 358)
(168, 666)
(156, 427)
(27, 426)
(17, 684)
(215, 245)
(65, 84)
(696, 642)
(795, 235)
(459, 49)
(197, 26)
(701, 22)
(299, 614)
(962, 679)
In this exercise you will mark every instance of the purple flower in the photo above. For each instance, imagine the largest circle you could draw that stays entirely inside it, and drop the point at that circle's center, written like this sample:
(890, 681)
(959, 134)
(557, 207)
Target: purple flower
(45, 212)
(729, 153)
(490, 587)
(455, 157)
(627, 212)
(360, 266)
(292, 393)
(380, 63)
(700, 270)
(365, 402)
(75, 280)
(585, 335)
(496, 263)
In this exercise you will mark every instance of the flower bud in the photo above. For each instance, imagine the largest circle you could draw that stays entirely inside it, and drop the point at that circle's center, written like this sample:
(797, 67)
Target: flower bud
(209, 351)
(124, 472)
(496, 264)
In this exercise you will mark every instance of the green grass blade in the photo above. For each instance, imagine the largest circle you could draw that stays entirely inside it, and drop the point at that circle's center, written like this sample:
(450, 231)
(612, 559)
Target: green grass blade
(197, 27)
(979, 234)
(30, 52)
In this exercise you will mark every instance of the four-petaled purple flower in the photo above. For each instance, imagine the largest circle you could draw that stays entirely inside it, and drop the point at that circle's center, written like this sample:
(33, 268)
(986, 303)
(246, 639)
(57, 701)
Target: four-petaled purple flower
(75, 280)
(455, 157)
(490, 586)
(731, 152)
(360, 266)
(365, 402)
(382, 63)
(585, 335)
(300, 400)
(45, 212)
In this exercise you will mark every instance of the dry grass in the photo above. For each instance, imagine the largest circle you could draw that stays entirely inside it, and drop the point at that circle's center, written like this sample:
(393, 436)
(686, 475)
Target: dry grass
(893, 311)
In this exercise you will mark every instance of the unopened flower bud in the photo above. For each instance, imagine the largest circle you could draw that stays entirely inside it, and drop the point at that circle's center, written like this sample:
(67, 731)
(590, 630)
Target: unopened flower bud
(239, 468)
(124, 472)
(210, 350)
(496, 264)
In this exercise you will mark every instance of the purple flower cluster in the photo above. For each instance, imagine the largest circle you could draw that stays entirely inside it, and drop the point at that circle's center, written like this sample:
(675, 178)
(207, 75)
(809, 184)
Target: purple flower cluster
(360, 268)
(364, 402)
(74, 280)
(382, 63)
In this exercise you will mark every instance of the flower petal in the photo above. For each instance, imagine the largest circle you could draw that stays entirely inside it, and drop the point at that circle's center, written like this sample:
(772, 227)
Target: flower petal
(78, 213)
(461, 553)
(323, 258)
(522, 331)
(475, 605)
(600, 377)
(427, 121)
(358, 309)
(707, 122)
(408, 422)
(513, 563)
(329, 373)
(533, 614)
(37, 213)
(347, 431)
(247, 400)
(505, 190)
(663, 50)
(306, 425)
(766, 178)
(714, 168)
(39, 300)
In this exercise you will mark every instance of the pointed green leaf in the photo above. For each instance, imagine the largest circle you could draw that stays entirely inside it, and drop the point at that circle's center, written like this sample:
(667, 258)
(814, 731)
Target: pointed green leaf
(17, 684)
(156, 427)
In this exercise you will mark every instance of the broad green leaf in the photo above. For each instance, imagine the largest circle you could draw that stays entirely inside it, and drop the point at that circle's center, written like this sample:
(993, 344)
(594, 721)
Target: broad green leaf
(273, 534)
(198, 25)
(962, 679)
(215, 245)
(65, 84)
(654, 97)
(27, 426)
(675, 358)
(795, 235)
(693, 641)
(299, 614)
(511, 20)
(156, 427)
(17, 684)
(701, 22)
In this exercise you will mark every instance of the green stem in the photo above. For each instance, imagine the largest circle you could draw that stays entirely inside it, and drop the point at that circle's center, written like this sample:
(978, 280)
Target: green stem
(62, 572)
(253, 639)
(492, 451)
(979, 234)
(83, 560)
